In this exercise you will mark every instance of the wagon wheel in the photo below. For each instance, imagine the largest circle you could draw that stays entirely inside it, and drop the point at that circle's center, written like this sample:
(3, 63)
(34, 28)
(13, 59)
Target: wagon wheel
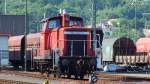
(148, 61)
(41, 69)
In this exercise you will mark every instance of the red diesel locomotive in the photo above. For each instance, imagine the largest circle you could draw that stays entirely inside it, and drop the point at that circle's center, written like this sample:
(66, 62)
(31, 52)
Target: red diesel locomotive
(63, 42)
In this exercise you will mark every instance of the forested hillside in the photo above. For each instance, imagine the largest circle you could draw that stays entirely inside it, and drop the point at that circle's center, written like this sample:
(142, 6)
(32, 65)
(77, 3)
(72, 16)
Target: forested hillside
(130, 14)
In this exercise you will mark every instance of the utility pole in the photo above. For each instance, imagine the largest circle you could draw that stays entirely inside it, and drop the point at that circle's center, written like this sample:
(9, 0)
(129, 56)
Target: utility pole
(5, 7)
(94, 22)
(135, 14)
(25, 39)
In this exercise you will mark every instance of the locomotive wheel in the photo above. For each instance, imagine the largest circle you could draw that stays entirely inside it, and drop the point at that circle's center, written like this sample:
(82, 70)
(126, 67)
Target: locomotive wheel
(16, 67)
(41, 69)
(76, 76)
(82, 72)
(36, 67)
(57, 72)
(81, 76)
(76, 72)
(68, 75)
(57, 75)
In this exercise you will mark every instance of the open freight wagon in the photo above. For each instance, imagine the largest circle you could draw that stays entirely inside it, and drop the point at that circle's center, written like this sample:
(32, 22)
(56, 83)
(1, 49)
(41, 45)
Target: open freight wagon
(124, 51)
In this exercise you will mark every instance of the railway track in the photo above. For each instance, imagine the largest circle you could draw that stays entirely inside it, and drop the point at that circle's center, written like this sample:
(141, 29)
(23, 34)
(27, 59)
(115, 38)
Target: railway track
(26, 74)
(52, 80)
(122, 77)
(38, 75)
(2, 81)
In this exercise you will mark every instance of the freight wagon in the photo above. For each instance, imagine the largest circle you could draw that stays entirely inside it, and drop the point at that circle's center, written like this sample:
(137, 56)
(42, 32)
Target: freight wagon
(124, 51)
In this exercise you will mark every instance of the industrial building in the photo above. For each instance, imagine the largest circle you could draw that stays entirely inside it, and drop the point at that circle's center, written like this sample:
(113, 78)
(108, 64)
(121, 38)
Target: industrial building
(4, 54)
(12, 24)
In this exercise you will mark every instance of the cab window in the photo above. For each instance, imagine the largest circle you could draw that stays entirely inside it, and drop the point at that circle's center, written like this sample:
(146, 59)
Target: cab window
(54, 23)
(75, 22)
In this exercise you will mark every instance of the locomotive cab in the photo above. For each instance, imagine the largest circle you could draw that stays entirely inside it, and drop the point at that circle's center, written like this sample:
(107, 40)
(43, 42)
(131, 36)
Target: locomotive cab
(61, 21)
(59, 28)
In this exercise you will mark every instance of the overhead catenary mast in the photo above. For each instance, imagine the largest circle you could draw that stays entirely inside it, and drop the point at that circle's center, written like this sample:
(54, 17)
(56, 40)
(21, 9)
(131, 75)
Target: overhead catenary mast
(94, 23)
(99, 56)
(25, 40)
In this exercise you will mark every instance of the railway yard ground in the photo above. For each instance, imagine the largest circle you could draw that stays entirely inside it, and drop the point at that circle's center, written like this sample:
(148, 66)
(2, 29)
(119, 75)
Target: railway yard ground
(21, 77)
